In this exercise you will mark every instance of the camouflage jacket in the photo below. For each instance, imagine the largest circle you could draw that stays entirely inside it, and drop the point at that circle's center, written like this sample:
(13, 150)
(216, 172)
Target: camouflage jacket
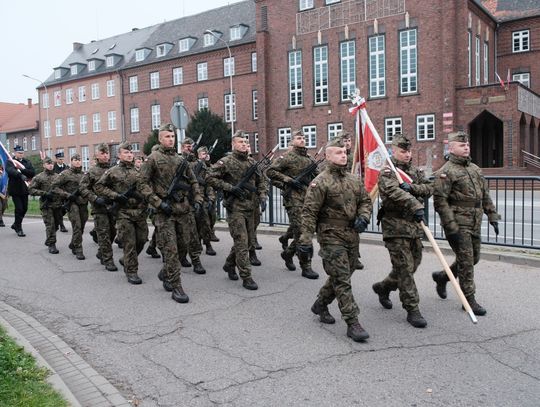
(68, 182)
(398, 206)
(461, 196)
(228, 172)
(42, 184)
(350, 160)
(285, 168)
(88, 183)
(200, 169)
(157, 175)
(118, 180)
(333, 201)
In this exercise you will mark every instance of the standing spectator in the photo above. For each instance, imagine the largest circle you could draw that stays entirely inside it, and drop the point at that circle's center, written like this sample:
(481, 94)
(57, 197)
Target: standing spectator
(17, 186)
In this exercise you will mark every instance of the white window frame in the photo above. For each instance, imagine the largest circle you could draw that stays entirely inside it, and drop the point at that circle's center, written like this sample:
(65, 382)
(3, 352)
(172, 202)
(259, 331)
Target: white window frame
(305, 5)
(139, 55)
(296, 96)
(57, 73)
(208, 40)
(25, 144)
(377, 66)
(70, 124)
(255, 142)
(33, 143)
(85, 157)
(83, 124)
(202, 103)
(111, 120)
(327, 2)
(58, 128)
(46, 129)
(110, 88)
(202, 71)
(284, 137)
(235, 33)
(486, 62)
(45, 101)
(69, 96)
(392, 125)
(156, 116)
(228, 67)
(96, 122)
(134, 119)
(310, 134)
(524, 78)
(161, 50)
(320, 75)
(469, 58)
(408, 66)
(95, 91)
(178, 76)
(82, 93)
(334, 129)
(58, 98)
(425, 127)
(230, 108)
(91, 66)
(477, 61)
(253, 62)
(135, 147)
(154, 80)
(133, 84)
(254, 104)
(109, 61)
(347, 53)
(521, 41)
(183, 45)
(73, 70)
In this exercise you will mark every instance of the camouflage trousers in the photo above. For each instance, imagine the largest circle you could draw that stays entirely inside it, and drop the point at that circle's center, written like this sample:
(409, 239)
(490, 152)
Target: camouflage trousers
(295, 219)
(170, 239)
(191, 243)
(241, 230)
(467, 255)
(104, 225)
(406, 256)
(134, 232)
(51, 225)
(204, 227)
(77, 215)
(338, 263)
(256, 221)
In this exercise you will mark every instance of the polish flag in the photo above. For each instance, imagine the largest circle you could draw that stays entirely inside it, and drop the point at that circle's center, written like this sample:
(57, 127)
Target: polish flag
(500, 81)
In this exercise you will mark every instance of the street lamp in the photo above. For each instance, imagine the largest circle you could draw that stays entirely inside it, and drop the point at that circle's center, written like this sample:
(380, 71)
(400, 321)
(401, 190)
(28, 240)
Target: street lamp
(233, 97)
(47, 114)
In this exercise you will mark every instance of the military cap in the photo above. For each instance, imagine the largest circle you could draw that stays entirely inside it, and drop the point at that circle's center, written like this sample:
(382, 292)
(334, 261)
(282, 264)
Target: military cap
(76, 157)
(102, 147)
(343, 135)
(335, 142)
(18, 148)
(47, 160)
(167, 127)
(459, 136)
(399, 140)
(124, 146)
(59, 155)
(188, 140)
(202, 149)
(239, 133)
(297, 133)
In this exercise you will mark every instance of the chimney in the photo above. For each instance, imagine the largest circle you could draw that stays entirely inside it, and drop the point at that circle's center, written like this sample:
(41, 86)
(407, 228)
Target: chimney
(29, 102)
(134, 29)
(77, 46)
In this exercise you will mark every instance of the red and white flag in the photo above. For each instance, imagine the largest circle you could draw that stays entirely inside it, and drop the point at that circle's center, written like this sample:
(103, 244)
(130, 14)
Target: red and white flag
(508, 78)
(500, 81)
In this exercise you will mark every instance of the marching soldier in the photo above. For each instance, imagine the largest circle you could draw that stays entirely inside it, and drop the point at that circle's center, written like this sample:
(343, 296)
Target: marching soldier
(60, 166)
(461, 197)
(17, 188)
(338, 208)
(203, 218)
(258, 208)
(401, 213)
(67, 186)
(284, 173)
(50, 206)
(226, 174)
(104, 221)
(122, 184)
(161, 171)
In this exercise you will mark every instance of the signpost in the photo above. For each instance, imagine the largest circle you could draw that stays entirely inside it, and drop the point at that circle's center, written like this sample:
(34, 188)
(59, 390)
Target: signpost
(180, 118)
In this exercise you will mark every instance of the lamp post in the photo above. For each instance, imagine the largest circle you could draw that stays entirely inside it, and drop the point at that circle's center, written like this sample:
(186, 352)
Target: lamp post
(47, 114)
(233, 97)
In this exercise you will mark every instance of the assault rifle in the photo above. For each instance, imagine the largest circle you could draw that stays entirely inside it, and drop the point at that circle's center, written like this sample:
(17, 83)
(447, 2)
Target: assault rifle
(177, 184)
(196, 145)
(212, 147)
(306, 175)
(197, 171)
(46, 198)
(71, 199)
(131, 192)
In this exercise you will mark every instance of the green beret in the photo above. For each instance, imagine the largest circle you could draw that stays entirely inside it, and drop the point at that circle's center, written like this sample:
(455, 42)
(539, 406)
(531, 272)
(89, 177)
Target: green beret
(239, 133)
(297, 133)
(202, 149)
(76, 157)
(399, 140)
(343, 135)
(335, 142)
(47, 160)
(459, 136)
(124, 146)
(103, 148)
(188, 140)
(167, 127)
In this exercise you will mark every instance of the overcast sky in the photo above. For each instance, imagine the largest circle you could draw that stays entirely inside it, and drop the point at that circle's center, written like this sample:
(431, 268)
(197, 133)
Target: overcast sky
(37, 35)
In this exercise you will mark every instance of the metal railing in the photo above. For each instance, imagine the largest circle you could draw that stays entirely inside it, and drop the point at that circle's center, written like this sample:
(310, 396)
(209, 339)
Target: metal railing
(530, 159)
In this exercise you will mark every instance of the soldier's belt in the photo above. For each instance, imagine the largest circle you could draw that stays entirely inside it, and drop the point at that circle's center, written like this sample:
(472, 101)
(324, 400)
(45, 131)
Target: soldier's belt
(466, 204)
(396, 214)
(336, 222)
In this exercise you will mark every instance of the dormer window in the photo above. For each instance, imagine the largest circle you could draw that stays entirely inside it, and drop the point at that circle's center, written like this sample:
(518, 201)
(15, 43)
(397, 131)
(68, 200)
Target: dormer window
(209, 40)
(163, 49)
(185, 44)
(109, 61)
(74, 70)
(235, 33)
(57, 73)
(142, 53)
(92, 65)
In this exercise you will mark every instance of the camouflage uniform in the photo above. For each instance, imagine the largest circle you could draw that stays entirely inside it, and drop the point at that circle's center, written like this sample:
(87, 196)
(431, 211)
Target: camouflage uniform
(224, 175)
(282, 172)
(67, 184)
(104, 220)
(131, 216)
(204, 227)
(333, 201)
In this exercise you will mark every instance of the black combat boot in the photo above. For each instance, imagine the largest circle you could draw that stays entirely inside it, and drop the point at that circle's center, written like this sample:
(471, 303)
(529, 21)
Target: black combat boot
(179, 295)
(209, 249)
(384, 295)
(111, 266)
(288, 261)
(63, 228)
(151, 251)
(322, 311)
(258, 246)
(2, 224)
(284, 242)
(416, 319)
(249, 284)
(441, 280)
(356, 332)
(121, 261)
(93, 233)
(253, 258)
(79, 255)
(119, 243)
(160, 275)
(308, 272)
(198, 267)
(477, 309)
(134, 279)
(230, 269)
(185, 262)
(20, 233)
(358, 265)
(214, 238)
(53, 249)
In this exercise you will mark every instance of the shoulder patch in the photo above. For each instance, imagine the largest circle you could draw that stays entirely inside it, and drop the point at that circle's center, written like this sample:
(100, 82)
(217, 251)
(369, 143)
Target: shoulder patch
(313, 184)
(220, 162)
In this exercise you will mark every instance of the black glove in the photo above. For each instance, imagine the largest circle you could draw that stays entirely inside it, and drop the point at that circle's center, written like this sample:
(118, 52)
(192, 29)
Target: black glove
(100, 201)
(165, 208)
(210, 206)
(238, 192)
(48, 196)
(297, 184)
(405, 186)
(495, 227)
(121, 199)
(304, 252)
(360, 224)
(454, 238)
(24, 177)
(72, 197)
(419, 215)
(263, 205)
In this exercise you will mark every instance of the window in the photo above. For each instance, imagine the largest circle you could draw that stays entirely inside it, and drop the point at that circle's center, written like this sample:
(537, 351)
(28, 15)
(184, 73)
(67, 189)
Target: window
(486, 63)
(520, 41)
(57, 74)
(310, 134)
(320, 76)
(33, 143)
(133, 84)
(156, 116)
(73, 70)
(469, 58)
(85, 158)
(235, 33)
(72, 151)
(58, 98)
(111, 119)
(332, 1)
(154, 80)
(183, 45)
(83, 124)
(208, 40)
(46, 129)
(230, 108)
(69, 96)
(203, 103)
(110, 88)
(45, 100)
(109, 61)
(96, 122)
(523, 78)
(135, 147)
(425, 127)
(253, 62)
(25, 144)
(477, 61)
(70, 124)
(295, 79)
(139, 55)
(392, 125)
(91, 65)
(134, 113)
(254, 105)
(305, 4)
(82, 93)
(334, 129)
(348, 69)
(228, 66)
(255, 142)
(95, 91)
(58, 125)
(178, 76)
(377, 66)
(284, 137)
(15, 142)
(408, 62)
(202, 71)
(161, 50)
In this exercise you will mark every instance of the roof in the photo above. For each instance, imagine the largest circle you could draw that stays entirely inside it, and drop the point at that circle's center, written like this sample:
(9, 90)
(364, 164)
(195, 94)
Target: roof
(507, 10)
(26, 118)
(8, 110)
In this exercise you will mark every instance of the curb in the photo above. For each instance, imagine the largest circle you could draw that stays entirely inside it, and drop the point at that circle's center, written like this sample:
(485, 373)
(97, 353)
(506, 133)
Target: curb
(75, 379)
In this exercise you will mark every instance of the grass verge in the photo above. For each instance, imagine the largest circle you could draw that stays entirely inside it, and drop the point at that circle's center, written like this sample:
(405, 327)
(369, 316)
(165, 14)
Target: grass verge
(33, 207)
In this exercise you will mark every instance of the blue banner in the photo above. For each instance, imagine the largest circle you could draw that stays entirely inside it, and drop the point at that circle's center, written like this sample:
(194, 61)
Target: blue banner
(4, 177)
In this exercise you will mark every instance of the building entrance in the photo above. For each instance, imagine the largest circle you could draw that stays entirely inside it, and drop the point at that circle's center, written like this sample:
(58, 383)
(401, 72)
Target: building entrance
(486, 133)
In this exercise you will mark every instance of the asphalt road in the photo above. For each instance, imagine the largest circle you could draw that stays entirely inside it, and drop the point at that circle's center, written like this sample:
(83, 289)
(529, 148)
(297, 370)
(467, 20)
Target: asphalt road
(233, 347)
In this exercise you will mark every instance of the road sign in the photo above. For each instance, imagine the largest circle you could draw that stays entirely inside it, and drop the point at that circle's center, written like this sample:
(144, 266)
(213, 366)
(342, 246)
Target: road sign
(179, 116)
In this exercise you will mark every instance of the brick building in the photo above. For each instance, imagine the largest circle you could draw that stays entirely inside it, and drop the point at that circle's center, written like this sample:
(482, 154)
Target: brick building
(19, 125)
